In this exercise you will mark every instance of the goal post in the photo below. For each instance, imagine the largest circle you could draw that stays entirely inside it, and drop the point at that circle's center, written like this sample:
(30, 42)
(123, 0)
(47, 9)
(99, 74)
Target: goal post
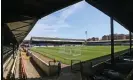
(70, 50)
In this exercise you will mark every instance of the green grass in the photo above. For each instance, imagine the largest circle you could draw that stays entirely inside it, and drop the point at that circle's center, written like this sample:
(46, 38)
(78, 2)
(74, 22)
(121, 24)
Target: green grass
(83, 53)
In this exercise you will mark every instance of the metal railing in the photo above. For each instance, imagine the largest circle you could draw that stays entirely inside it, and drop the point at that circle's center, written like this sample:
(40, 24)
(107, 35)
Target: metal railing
(13, 70)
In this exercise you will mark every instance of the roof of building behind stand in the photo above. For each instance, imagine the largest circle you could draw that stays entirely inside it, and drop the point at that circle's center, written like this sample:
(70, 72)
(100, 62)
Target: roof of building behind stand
(56, 39)
(122, 40)
(21, 15)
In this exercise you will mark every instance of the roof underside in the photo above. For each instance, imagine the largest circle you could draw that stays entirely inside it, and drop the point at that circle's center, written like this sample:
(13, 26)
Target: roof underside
(21, 15)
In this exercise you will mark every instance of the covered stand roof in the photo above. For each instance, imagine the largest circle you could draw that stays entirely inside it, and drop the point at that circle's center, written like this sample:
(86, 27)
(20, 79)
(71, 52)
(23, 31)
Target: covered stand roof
(56, 39)
(21, 15)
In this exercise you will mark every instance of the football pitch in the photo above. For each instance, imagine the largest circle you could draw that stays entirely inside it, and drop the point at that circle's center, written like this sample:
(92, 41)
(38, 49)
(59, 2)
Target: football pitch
(67, 53)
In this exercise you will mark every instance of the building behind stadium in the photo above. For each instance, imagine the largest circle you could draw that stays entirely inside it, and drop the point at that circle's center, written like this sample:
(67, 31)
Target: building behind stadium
(51, 42)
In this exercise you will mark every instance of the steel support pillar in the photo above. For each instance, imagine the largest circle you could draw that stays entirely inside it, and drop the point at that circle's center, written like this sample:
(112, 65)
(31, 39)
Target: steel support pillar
(130, 40)
(112, 40)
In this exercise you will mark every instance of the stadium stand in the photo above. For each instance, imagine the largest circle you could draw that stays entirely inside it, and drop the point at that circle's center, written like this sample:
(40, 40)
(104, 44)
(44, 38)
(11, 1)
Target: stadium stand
(19, 17)
(47, 41)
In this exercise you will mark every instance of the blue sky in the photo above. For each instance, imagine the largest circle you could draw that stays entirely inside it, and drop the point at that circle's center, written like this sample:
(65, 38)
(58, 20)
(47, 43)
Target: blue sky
(73, 21)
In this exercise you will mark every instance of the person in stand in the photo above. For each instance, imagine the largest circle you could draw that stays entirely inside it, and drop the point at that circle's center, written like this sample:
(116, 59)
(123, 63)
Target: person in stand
(59, 68)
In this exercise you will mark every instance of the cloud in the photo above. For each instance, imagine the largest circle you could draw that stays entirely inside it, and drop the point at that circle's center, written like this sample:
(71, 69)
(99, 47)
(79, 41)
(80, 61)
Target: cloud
(45, 28)
(71, 9)
(49, 25)
(63, 15)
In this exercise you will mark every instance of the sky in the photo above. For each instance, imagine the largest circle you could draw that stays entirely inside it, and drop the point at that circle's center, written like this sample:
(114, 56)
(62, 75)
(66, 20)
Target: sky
(73, 21)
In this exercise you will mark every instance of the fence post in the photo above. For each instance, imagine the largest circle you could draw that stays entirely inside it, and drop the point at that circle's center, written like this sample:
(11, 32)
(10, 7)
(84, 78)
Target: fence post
(112, 40)
(81, 67)
(71, 65)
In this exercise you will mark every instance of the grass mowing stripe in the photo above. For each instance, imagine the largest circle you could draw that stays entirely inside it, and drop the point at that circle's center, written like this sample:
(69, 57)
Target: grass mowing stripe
(65, 54)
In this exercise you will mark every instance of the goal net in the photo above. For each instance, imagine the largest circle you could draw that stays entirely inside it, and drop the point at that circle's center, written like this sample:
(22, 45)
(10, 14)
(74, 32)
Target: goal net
(70, 50)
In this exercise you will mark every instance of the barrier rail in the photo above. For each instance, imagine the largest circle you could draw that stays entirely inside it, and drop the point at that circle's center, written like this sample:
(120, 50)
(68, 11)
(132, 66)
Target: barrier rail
(97, 66)
(13, 70)
(6, 63)
(7, 68)
(45, 66)
(7, 55)
(123, 52)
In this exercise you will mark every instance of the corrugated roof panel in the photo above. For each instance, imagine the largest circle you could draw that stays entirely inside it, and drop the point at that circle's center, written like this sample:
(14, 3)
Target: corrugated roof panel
(56, 39)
